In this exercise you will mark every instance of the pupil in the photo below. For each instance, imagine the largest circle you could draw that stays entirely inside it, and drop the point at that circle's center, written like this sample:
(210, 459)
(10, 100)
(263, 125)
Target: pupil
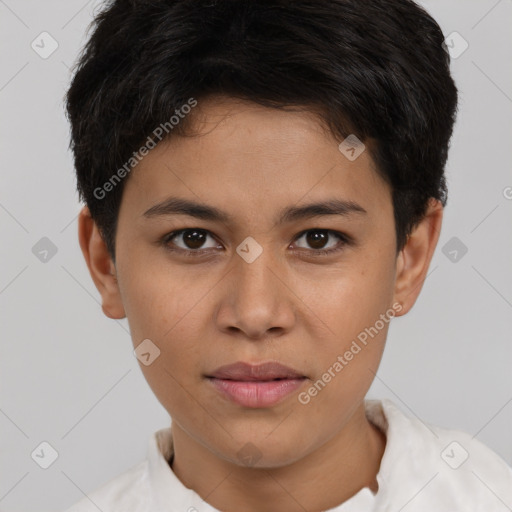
(194, 239)
(316, 239)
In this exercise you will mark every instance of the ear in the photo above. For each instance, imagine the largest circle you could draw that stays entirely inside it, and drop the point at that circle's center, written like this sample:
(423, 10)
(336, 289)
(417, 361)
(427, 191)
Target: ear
(414, 259)
(100, 264)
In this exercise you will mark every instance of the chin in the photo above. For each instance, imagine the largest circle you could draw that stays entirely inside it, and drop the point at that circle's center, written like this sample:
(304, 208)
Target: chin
(265, 453)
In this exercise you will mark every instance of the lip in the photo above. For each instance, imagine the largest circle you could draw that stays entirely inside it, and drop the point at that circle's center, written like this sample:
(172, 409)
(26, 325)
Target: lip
(256, 386)
(255, 372)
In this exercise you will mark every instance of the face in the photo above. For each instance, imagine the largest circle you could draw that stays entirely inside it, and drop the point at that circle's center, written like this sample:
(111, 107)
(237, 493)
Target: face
(255, 275)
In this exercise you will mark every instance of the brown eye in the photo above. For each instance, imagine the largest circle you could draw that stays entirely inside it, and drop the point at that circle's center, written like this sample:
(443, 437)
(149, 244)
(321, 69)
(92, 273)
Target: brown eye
(192, 240)
(319, 240)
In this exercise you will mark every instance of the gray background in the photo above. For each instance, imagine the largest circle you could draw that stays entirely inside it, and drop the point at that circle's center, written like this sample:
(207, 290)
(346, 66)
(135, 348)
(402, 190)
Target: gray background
(68, 373)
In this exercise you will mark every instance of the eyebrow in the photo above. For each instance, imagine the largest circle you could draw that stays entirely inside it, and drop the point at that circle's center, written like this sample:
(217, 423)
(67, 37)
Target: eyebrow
(180, 206)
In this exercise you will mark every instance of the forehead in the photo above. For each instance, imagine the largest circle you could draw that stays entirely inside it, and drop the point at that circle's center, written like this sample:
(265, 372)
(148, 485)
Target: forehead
(248, 158)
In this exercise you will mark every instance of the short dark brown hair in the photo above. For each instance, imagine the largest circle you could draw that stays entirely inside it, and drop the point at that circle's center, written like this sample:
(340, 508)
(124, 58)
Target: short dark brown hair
(377, 69)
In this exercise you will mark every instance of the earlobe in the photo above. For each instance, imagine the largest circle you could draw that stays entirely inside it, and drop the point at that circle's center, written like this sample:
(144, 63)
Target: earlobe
(100, 265)
(415, 257)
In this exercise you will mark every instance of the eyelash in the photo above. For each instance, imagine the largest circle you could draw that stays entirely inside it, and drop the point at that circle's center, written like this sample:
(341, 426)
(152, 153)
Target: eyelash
(344, 240)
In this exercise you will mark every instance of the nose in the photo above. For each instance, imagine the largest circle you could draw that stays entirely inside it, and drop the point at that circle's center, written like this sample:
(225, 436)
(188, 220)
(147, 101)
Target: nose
(256, 299)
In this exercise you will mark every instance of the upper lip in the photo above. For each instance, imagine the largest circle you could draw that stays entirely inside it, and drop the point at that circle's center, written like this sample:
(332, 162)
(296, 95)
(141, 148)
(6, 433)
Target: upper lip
(255, 372)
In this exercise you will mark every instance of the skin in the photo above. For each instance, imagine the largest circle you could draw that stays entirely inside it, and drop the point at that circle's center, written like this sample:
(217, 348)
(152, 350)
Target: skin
(288, 305)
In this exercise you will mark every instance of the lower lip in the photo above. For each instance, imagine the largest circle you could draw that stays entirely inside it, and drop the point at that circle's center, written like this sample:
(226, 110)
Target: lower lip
(257, 393)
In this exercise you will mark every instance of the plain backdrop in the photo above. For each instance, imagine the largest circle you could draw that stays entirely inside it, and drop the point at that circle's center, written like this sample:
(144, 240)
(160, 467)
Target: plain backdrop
(68, 374)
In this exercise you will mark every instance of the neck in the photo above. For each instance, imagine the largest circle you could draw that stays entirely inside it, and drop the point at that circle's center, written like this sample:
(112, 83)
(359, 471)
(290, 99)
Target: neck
(334, 472)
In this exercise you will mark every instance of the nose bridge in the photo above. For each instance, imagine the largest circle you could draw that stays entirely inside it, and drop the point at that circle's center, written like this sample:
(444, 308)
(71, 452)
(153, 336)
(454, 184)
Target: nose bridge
(256, 300)
(256, 273)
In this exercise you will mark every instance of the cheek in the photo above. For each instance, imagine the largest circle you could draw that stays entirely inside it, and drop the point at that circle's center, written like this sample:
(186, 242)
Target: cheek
(158, 298)
(168, 313)
(168, 309)
(346, 366)
(355, 297)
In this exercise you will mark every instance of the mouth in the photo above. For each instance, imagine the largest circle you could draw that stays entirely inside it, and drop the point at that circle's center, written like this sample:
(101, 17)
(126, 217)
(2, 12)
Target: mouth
(256, 386)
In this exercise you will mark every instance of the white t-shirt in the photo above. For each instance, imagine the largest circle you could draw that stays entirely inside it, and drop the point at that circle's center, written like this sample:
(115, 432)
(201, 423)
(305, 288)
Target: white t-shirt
(424, 468)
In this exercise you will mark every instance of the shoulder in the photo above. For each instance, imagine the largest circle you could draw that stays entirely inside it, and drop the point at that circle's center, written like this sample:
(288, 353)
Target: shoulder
(127, 492)
(452, 468)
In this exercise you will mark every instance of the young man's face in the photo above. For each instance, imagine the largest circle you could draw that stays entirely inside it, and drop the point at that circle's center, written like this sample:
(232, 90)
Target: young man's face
(289, 304)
